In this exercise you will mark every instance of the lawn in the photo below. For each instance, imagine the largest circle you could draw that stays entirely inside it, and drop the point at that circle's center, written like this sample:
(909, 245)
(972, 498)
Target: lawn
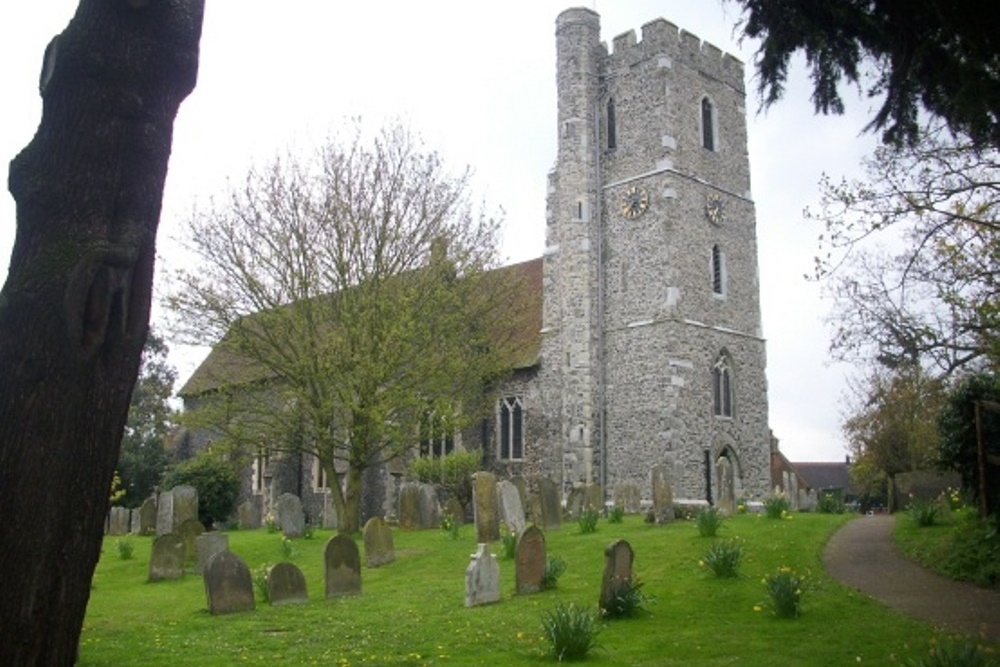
(412, 612)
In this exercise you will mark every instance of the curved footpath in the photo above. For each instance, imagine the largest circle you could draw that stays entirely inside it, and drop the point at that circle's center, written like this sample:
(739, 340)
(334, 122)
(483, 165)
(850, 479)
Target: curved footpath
(862, 555)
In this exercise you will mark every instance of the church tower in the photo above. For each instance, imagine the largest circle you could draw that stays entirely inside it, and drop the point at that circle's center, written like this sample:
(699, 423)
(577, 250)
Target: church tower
(652, 351)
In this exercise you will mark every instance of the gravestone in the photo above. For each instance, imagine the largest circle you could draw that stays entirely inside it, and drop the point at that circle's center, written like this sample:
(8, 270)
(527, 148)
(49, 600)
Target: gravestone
(291, 518)
(453, 510)
(529, 569)
(485, 507)
(511, 509)
(408, 514)
(228, 584)
(663, 494)
(167, 558)
(727, 496)
(429, 507)
(248, 515)
(165, 513)
(628, 497)
(185, 504)
(550, 506)
(522, 491)
(286, 584)
(147, 517)
(188, 531)
(618, 557)
(576, 501)
(343, 567)
(207, 545)
(118, 521)
(330, 519)
(134, 523)
(378, 542)
(482, 578)
(593, 497)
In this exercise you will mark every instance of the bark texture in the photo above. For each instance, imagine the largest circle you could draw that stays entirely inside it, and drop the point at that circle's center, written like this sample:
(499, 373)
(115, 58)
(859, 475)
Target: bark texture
(74, 311)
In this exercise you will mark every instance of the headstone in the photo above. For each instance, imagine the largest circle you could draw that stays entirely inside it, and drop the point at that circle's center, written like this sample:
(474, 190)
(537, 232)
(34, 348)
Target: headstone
(522, 490)
(727, 496)
(593, 497)
(167, 558)
(429, 507)
(329, 519)
(286, 584)
(549, 504)
(378, 542)
(118, 521)
(628, 497)
(147, 517)
(511, 509)
(134, 522)
(207, 545)
(343, 567)
(663, 494)
(291, 518)
(482, 577)
(408, 514)
(248, 515)
(576, 501)
(228, 584)
(529, 568)
(185, 504)
(453, 510)
(188, 531)
(485, 505)
(618, 557)
(165, 513)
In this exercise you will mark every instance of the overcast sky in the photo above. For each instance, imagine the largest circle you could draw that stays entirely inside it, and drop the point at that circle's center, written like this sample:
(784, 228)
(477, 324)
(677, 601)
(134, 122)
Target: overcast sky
(477, 81)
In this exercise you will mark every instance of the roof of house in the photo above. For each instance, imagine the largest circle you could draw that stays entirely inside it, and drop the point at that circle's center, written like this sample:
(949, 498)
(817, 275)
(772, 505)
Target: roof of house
(520, 283)
(825, 475)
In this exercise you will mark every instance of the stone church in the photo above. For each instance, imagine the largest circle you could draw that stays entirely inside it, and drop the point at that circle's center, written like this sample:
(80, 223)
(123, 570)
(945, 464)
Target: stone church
(645, 345)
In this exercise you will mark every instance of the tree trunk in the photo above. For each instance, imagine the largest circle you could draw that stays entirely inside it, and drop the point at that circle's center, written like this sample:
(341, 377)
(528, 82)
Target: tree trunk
(74, 311)
(352, 502)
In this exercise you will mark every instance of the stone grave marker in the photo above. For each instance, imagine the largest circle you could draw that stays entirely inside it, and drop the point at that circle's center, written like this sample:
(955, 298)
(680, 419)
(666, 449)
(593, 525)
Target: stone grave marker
(188, 531)
(378, 542)
(167, 558)
(511, 509)
(165, 513)
(453, 510)
(147, 517)
(286, 584)
(118, 521)
(575, 502)
(628, 497)
(248, 515)
(618, 557)
(529, 570)
(291, 518)
(593, 496)
(482, 578)
(207, 545)
(486, 508)
(228, 584)
(429, 507)
(185, 505)
(727, 495)
(134, 522)
(549, 504)
(522, 490)
(329, 519)
(663, 494)
(343, 567)
(408, 514)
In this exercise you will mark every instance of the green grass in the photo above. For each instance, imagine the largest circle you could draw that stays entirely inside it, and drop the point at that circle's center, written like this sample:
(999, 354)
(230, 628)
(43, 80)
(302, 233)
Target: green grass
(412, 611)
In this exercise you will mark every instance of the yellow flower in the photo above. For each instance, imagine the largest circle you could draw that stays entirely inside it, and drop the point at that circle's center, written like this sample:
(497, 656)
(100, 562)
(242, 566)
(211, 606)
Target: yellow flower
(757, 607)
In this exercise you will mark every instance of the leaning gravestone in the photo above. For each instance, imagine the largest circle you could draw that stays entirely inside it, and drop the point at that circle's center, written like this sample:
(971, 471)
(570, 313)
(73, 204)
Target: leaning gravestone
(286, 585)
(511, 509)
(378, 542)
(343, 567)
(167, 558)
(522, 490)
(118, 521)
(228, 584)
(529, 570)
(291, 518)
(549, 503)
(663, 494)
(185, 504)
(618, 557)
(408, 514)
(482, 578)
(486, 509)
(208, 545)
(165, 513)
(147, 517)
(188, 531)
(248, 515)
(628, 497)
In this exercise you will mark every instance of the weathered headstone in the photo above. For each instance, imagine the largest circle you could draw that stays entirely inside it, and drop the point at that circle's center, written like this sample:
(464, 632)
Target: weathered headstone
(618, 557)
(408, 514)
(430, 508)
(628, 497)
(185, 505)
(188, 532)
(576, 501)
(207, 545)
(330, 519)
(248, 515)
(228, 584)
(291, 518)
(529, 570)
(343, 567)
(167, 558)
(378, 542)
(727, 496)
(147, 517)
(549, 504)
(511, 510)
(482, 578)
(118, 521)
(134, 522)
(165, 513)
(522, 490)
(663, 494)
(593, 497)
(286, 584)
(453, 510)
(486, 509)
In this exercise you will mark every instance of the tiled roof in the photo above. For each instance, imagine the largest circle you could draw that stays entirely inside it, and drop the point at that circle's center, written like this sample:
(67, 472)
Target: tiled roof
(825, 475)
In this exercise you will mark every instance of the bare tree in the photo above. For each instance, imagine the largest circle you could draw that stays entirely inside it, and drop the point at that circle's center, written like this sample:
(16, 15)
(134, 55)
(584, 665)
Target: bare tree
(74, 310)
(348, 300)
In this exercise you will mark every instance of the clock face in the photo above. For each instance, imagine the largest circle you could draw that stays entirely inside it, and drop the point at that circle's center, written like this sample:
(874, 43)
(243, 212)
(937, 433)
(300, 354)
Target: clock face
(715, 210)
(635, 202)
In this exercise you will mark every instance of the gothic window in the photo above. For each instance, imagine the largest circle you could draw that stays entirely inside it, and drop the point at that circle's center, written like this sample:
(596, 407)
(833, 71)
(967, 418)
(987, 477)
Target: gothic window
(722, 388)
(259, 470)
(707, 124)
(612, 129)
(437, 437)
(511, 429)
(319, 480)
(718, 271)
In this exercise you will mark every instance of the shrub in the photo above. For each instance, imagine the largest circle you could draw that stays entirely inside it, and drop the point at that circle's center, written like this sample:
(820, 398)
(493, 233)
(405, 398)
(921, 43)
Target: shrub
(449, 526)
(723, 558)
(830, 503)
(508, 543)
(451, 472)
(974, 553)
(785, 590)
(588, 520)
(287, 548)
(554, 568)
(616, 514)
(956, 654)
(125, 548)
(572, 631)
(628, 600)
(776, 506)
(709, 521)
(923, 513)
(216, 481)
(260, 583)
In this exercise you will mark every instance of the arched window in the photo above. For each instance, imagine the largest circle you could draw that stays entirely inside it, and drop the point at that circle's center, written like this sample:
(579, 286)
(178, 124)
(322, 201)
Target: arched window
(707, 124)
(722, 388)
(612, 130)
(436, 436)
(718, 271)
(511, 429)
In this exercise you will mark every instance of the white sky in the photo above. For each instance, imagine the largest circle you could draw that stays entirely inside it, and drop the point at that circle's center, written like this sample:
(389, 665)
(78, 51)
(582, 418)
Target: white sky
(477, 81)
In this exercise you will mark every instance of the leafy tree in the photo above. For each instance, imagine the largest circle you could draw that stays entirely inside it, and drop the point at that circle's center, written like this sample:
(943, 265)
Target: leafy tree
(217, 483)
(942, 57)
(957, 426)
(143, 459)
(74, 310)
(347, 298)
